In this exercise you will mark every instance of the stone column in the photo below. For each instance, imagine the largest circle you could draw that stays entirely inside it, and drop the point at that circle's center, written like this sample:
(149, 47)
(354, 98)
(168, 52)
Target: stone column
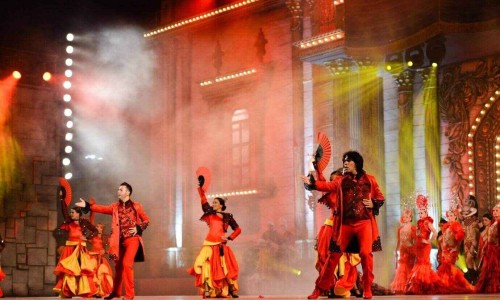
(405, 136)
(432, 141)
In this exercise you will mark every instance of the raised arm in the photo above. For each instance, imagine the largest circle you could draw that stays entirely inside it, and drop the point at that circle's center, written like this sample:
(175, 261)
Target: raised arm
(204, 202)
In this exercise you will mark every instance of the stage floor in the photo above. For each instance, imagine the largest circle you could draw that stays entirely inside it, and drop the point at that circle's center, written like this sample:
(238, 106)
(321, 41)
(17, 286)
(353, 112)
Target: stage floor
(277, 297)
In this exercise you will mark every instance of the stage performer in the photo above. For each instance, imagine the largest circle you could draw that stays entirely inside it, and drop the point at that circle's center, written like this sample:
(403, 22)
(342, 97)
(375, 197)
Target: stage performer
(486, 223)
(98, 244)
(359, 199)
(453, 279)
(215, 268)
(406, 246)
(471, 240)
(125, 243)
(422, 278)
(75, 269)
(489, 279)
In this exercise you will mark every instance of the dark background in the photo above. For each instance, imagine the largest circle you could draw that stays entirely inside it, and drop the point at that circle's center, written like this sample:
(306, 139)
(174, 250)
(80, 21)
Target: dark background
(41, 25)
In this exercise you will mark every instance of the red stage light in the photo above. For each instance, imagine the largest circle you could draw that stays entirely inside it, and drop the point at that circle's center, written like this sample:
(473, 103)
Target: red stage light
(16, 74)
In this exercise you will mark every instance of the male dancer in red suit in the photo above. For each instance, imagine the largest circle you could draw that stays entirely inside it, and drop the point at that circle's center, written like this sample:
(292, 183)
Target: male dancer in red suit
(125, 243)
(359, 200)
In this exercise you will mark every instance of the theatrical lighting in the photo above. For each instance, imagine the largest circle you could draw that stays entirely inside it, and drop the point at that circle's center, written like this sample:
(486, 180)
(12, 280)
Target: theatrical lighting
(47, 76)
(201, 17)
(68, 73)
(69, 49)
(70, 37)
(16, 74)
(69, 62)
(434, 65)
(69, 136)
(69, 124)
(470, 140)
(68, 175)
(68, 112)
(67, 84)
(67, 97)
(320, 39)
(394, 63)
(414, 57)
(68, 149)
(238, 193)
(338, 2)
(66, 161)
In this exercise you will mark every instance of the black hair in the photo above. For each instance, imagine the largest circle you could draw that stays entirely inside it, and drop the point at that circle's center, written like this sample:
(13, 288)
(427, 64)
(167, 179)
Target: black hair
(357, 159)
(222, 202)
(337, 172)
(488, 216)
(78, 210)
(129, 187)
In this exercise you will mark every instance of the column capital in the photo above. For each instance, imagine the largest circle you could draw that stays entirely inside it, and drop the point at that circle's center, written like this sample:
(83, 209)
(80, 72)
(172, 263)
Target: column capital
(296, 9)
(405, 80)
(339, 66)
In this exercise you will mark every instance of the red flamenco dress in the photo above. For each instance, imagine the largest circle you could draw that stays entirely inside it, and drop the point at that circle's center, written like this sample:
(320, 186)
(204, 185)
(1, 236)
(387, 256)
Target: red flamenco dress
(75, 269)
(103, 273)
(489, 279)
(215, 268)
(406, 261)
(453, 279)
(422, 279)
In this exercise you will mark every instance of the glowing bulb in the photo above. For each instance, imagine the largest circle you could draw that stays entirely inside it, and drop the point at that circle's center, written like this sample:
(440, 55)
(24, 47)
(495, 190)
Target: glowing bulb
(67, 97)
(67, 84)
(68, 149)
(410, 63)
(70, 37)
(68, 112)
(69, 49)
(68, 175)
(66, 161)
(69, 136)
(47, 76)
(16, 74)
(68, 73)
(69, 62)
(69, 124)
(434, 65)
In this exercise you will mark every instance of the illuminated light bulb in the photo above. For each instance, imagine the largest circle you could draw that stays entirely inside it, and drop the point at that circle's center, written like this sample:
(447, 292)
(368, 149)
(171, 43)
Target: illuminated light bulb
(68, 175)
(482, 112)
(67, 97)
(478, 119)
(388, 68)
(68, 149)
(67, 84)
(69, 136)
(70, 37)
(474, 127)
(469, 152)
(69, 49)
(47, 76)
(410, 63)
(471, 185)
(434, 65)
(68, 73)
(16, 74)
(69, 124)
(68, 112)
(69, 62)
(469, 144)
(66, 161)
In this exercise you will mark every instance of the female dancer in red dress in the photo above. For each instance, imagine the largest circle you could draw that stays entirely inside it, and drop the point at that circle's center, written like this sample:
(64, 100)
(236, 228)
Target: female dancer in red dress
(422, 278)
(406, 247)
(483, 237)
(75, 269)
(215, 267)
(453, 279)
(489, 279)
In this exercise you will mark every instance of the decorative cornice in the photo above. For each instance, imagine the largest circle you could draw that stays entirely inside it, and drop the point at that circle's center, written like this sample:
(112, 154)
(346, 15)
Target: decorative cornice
(339, 66)
(320, 39)
(227, 77)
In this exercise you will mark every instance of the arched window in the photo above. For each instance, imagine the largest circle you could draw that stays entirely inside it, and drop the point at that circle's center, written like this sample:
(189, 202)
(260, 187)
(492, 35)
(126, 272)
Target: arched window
(241, 149)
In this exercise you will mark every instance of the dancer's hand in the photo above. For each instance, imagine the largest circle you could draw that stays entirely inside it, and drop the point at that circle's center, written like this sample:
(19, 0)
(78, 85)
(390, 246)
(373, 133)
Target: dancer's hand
(133, 231)
(368, 203)
(305, 179)
(81, 203)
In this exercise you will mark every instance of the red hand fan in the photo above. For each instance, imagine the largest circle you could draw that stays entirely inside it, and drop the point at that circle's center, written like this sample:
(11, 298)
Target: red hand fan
(323, 152)
(67, 190)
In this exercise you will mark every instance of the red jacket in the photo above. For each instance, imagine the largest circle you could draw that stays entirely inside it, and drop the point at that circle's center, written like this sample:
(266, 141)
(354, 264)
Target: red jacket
(378, 201)
(141, 219)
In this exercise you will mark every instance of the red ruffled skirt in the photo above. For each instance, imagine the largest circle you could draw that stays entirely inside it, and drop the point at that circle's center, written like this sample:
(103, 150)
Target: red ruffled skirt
(422, 279)
(405, 265)
(489, 279)
(216, 271)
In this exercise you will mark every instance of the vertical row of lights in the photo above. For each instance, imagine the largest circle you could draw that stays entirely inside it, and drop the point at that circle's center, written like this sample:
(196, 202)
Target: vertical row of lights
(68, 112)
(470, 146)
(497, 166)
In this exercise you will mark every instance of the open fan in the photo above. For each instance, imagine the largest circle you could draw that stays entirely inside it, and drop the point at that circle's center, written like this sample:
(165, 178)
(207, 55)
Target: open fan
(323, 152)
(204, 178)
(66, 190)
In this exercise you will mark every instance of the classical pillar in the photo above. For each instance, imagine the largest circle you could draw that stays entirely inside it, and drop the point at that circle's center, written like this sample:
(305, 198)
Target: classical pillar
(432, 141)
(405, 135)
(296, 8)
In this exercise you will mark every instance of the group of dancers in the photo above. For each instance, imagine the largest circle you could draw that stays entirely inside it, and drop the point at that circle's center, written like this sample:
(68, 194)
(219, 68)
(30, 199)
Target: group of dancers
(414, 273)
(83, 269)
(349, 237)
